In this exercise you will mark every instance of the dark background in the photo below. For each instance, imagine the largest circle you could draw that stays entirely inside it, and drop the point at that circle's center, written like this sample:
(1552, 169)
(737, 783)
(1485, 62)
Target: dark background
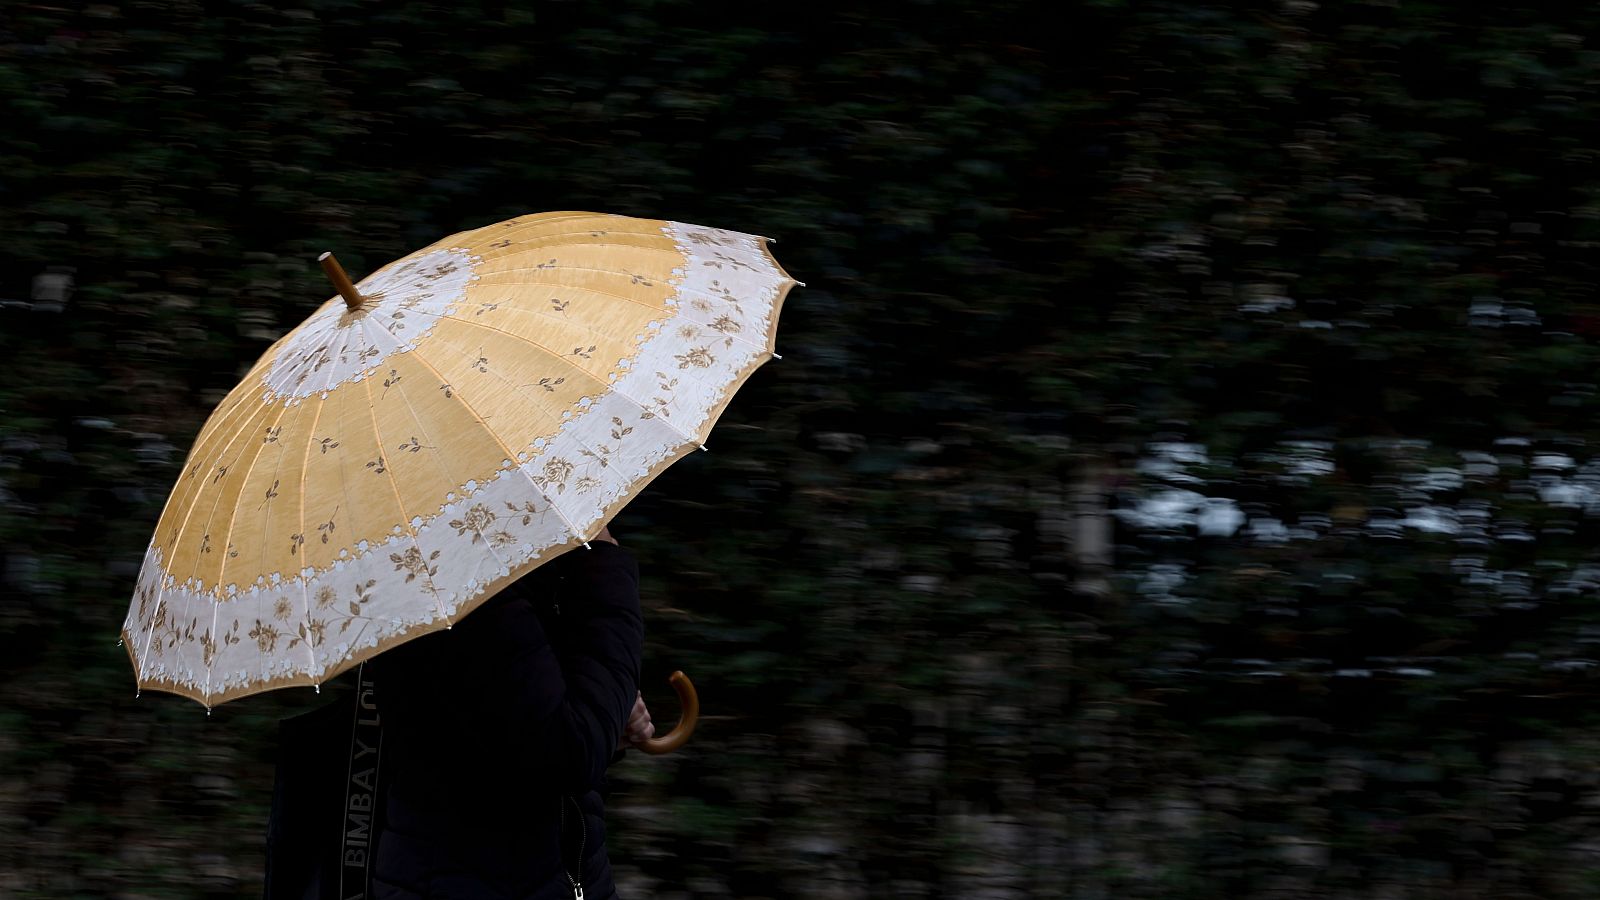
(1179, 480)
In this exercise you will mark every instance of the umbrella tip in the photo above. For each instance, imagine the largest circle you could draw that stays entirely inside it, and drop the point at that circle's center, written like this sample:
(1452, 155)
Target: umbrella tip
(777, 356)
(586, 546)
(316, 687)
(705, 448)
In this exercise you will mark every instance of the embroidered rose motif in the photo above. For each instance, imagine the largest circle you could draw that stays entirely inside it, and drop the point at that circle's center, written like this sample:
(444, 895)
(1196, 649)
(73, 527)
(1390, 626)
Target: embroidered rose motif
(699, 357)
(266, 636)
(412, 563)
(556, 472)
(477, 518)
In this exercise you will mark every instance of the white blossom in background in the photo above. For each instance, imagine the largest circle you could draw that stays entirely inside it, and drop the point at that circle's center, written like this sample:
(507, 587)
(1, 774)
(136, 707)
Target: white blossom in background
(1267, 530)
(1582, 580)
(1300, 461)
(1163, 511)
(1567, 494)
(1161, 580)
(1436, 479)
(1432, 519)
(1167, 461)
(1219, 517)
(1477, 464)
(1559, 461)
(1313, 458)
(1579, 490)
(1473, 518)
(1486, 312)
(1385, 523)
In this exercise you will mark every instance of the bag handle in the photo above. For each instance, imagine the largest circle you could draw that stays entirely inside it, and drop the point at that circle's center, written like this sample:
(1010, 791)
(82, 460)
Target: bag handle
(359, 828)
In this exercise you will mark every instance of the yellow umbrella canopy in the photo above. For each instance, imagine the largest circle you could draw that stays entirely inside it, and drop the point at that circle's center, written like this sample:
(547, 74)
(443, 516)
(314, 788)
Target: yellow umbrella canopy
(455, 419)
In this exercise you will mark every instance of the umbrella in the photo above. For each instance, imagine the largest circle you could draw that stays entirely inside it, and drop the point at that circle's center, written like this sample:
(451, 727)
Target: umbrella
(434, 432)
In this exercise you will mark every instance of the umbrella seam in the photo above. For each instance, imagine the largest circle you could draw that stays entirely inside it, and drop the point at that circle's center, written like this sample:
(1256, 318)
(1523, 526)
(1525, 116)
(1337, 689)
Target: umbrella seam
(672, 311)
(606, 386)
(222, 572)
(160, 569)
(435, 456)
(509, 453)
(679, 286)
(654, 232)
(311, 439)
(305, 468)
(405, 518)
(182, 530)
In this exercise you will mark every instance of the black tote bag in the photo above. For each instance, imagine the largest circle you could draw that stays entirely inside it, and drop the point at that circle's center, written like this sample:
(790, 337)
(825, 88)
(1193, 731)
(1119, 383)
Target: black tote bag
(326, 800)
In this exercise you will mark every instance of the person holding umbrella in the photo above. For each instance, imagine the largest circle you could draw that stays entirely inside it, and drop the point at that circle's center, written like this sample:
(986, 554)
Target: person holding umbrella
(405, 479)
(538, 688)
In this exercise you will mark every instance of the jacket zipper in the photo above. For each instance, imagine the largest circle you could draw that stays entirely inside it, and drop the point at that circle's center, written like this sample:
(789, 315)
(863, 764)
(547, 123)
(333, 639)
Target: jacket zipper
(583, 835)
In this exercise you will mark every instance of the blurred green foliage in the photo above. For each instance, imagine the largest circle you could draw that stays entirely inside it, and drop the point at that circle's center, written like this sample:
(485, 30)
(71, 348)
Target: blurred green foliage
(1328, 267)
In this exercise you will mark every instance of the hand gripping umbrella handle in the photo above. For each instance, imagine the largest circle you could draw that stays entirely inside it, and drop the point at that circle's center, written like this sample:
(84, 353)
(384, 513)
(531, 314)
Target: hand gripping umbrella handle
(679, 735)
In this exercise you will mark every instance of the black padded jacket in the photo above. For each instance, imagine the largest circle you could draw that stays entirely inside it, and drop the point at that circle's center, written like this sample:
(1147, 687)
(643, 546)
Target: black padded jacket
(497, 734)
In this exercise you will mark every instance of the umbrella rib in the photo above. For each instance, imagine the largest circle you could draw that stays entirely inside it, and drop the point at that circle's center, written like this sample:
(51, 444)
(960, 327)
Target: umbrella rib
(527, 245)
(305, 468)
(671, 312)
(551, 316)
(533, 401)
(417, 420)
(216, 603)
(510, 454)
(524, 227)
(656, 233)
(305, 583)
(533, 343)
(605, 385)
(230, 405)
(400, 504)
(182, 529)
(520, 226)
(676, 287)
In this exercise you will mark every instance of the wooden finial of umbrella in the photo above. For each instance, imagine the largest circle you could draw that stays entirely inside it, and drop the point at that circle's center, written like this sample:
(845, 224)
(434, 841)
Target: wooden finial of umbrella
(341, 281)
(679, 735)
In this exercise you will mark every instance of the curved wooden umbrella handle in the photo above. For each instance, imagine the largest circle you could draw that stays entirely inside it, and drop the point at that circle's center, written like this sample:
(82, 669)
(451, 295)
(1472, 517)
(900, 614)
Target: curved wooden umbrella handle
(679, 735)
